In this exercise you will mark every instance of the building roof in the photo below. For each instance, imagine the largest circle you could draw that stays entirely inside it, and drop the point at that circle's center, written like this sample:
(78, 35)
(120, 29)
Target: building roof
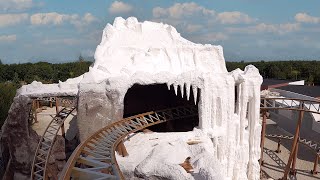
(313, 91)
(268, 82)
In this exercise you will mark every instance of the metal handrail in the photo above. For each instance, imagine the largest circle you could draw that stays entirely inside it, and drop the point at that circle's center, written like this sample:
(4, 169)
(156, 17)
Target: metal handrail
(293, 104)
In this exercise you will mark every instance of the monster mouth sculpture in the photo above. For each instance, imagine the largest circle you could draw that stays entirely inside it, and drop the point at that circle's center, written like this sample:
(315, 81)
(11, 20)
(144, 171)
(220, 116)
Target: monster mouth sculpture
(146, 53)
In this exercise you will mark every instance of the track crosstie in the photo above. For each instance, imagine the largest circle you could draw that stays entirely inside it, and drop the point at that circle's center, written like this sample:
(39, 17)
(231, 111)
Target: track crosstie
(95, 157)
(46, 142)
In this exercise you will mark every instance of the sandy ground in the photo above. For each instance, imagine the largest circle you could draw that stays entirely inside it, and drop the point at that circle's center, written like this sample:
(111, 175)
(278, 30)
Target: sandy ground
(46, 116)
(274, 163)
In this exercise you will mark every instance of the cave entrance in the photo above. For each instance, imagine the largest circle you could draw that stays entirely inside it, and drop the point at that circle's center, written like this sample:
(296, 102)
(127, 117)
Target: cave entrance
(145, 98)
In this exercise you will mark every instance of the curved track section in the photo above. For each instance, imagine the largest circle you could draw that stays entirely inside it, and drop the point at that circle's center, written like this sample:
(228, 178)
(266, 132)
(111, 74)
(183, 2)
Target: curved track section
(290, 104)
(46, 142)
(95, 157)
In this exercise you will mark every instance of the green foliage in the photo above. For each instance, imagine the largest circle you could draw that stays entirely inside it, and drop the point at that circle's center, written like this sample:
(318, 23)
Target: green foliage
(7, 93)
(42, 71)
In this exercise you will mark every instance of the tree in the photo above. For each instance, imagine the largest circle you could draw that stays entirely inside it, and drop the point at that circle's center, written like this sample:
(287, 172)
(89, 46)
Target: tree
(295, 73)
(1, 62)
(16, 79)
(81, 59)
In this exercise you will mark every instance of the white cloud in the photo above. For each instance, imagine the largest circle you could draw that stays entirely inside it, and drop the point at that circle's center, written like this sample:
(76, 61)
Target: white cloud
(193, 27)
(263, 27)
(12, 19)
(89, 18)
(277, 28)
(234, 17)
(210, 37)
(58, 19)
(65, 41)
(8, 5)
(118, 7)
(51, 18)
(8, 38)
(179, 10)
(305, 18)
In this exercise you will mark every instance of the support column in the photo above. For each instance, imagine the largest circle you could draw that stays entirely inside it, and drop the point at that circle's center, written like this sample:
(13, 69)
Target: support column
(34, 110)
(295, 141)
(293, 167)
(316, 161)
(279, 145)
(121, 149)
(57, 106)
(263, 134)
(63, 133)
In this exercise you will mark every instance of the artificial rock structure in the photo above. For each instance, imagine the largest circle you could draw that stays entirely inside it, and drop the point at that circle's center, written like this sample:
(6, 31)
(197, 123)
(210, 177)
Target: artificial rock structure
(149, 53)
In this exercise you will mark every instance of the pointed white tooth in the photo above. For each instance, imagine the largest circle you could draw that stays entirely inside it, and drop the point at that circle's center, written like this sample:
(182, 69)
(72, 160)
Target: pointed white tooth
(168, 86)
(195, 93)
(188, 91)
(182, 89)
(175, 89)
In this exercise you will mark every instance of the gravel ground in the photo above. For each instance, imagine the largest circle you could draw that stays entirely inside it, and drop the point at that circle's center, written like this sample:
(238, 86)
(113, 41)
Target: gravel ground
(274, 163)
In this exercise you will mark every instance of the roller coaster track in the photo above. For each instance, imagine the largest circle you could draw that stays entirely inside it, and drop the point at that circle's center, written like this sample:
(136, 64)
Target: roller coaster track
(290, 104)
(95, 157)
(310, 144)
(47, 140)
(300, 105)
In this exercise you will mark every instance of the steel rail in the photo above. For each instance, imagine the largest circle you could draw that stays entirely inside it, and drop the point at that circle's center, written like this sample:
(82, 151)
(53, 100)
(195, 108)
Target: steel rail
(43, 151)
(95, 157)
(311, 106)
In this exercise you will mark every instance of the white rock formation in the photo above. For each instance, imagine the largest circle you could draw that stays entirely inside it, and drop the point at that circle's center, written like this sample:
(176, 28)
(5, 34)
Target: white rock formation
(145, 53)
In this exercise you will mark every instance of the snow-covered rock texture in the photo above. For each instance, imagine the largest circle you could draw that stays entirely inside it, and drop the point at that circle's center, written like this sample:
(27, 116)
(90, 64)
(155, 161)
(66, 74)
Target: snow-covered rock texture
(145, 53)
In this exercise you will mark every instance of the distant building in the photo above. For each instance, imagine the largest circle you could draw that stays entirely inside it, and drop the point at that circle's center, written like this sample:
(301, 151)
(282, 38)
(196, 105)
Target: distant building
(312, 91)
(287, 119)
(276, 83)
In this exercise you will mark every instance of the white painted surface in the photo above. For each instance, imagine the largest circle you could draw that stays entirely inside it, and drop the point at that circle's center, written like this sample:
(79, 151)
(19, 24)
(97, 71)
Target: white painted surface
(316, 117)
(298, 83)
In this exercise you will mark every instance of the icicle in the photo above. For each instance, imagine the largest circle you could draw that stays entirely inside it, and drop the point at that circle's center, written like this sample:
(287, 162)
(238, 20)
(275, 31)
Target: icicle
(182, 89)
(188, 91)
(175, 89)
(168, 86)
(195, 93)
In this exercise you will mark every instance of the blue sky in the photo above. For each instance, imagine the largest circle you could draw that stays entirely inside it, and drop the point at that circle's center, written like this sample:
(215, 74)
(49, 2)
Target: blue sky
(250, 30)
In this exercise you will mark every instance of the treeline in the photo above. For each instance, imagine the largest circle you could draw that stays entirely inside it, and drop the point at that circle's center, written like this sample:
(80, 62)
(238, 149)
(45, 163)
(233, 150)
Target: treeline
(52, 73)
(293, 70)
(41, 71)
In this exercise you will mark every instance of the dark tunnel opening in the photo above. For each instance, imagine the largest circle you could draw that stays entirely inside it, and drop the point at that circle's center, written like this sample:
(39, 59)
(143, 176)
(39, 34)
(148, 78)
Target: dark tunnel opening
(144, 98)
